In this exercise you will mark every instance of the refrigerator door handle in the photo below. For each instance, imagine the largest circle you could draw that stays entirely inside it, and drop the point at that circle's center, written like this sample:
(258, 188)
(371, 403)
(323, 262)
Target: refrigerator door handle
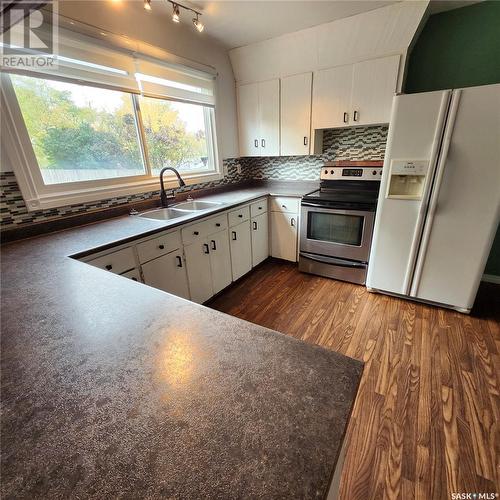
(433, 160)
(433, 202)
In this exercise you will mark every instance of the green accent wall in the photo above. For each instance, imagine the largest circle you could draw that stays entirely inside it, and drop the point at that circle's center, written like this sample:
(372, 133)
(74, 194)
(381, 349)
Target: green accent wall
(459, 48)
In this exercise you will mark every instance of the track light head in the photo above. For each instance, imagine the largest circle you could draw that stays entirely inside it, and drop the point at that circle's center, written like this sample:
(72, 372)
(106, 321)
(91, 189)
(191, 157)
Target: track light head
(198, 24)
(147, 4)
(175, 13)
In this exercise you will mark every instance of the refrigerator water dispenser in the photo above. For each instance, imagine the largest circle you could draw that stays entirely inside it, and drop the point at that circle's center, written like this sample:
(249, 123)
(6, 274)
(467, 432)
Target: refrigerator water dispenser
(407, 179)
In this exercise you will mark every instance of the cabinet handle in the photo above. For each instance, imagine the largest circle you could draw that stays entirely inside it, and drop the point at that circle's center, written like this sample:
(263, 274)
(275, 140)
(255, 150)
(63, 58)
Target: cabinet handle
(346, 117)
(292, 222)
(233, 235)
(356, 115)
(240, 216)
(260, 208)
(161, 247)
(205, 246)
(254, 225)
(217, 224)
(256, 143)
(214, 246)
(109, 267)
(196, 233)
(179, 260)
(305, 141)
(283, 206)
(134, 278)
(263, 143)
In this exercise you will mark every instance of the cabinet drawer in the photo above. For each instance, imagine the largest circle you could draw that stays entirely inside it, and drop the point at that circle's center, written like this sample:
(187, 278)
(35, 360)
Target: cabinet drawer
(116, 262)
(285, 204)
(160, 245)
(134, 275)
(258, 207)
(239, 215)
(200, 230)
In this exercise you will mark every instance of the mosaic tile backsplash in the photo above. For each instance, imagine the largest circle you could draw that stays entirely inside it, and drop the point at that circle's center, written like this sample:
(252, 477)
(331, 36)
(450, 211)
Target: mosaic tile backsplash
(363, 143)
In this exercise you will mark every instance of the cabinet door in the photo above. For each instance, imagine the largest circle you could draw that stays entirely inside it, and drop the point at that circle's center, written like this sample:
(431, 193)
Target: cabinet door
(374, 85)
(260, 239)
(248, 119)
(220, 260)
(332, 97)
(167, 273)
(296, 114)
(241, 252)
(198, 271)
(269, 118)
(284, 235)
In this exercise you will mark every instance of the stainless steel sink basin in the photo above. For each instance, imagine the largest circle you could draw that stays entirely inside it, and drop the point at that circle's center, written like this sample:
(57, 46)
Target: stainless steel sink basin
(163, 214)
(195, 206)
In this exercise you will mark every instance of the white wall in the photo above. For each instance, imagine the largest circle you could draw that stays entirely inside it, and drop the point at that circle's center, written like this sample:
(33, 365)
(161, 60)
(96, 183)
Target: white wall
(377, 33)
(156, 28)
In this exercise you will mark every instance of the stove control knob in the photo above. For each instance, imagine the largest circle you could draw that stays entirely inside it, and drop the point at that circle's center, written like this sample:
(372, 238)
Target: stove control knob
(326, 171)
(374, 172)
(332, 171)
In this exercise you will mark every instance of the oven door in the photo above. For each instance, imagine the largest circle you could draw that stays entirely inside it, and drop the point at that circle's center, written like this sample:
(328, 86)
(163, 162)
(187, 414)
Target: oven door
(336, 233)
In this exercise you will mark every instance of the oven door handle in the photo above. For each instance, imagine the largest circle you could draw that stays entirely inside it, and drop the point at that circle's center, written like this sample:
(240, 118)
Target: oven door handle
(333, 260)
(309, 204)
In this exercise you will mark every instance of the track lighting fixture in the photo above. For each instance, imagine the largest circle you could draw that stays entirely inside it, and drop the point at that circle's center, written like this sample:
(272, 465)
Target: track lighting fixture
(175, 13)
(198, 24)
(147, 4)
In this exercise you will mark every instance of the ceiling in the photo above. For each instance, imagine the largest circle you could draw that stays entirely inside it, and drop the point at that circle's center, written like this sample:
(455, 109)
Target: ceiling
(238, 23)
(241, 22)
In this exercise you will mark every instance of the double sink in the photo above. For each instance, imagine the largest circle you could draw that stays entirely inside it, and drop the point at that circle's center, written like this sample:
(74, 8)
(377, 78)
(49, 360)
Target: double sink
(179, 210)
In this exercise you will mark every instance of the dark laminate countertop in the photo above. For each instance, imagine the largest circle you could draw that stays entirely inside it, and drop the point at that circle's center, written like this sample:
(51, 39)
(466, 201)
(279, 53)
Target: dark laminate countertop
(114, 389)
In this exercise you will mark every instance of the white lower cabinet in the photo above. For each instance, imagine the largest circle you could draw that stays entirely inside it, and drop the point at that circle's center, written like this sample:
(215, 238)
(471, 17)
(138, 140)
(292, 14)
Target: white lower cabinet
(133, 275)
(199, 260)
(241, 250)
(220, 260)
(168, 273)
(198, 271)
(284, 235)
(208, 265)
(260, 238)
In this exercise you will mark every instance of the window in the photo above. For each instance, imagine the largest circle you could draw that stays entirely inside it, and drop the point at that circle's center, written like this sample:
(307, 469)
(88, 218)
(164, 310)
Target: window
(103, 123)
(79, 133)
(175, 135)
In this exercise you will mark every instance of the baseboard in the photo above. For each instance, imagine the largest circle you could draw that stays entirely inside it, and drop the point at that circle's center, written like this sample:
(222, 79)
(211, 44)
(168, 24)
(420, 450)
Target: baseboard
(491, 278)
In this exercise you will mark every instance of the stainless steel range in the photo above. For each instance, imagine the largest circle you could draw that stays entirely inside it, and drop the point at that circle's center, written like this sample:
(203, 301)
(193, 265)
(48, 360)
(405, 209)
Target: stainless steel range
(337, 221)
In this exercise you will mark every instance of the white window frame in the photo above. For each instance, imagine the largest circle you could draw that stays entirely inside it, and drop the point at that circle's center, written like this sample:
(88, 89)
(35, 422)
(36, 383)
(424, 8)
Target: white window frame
(38, 195)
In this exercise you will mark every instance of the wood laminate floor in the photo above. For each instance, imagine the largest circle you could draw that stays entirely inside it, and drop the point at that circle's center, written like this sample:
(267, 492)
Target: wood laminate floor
(426, 420)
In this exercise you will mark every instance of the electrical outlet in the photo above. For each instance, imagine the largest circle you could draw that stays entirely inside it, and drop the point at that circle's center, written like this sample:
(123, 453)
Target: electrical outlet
(238, 168)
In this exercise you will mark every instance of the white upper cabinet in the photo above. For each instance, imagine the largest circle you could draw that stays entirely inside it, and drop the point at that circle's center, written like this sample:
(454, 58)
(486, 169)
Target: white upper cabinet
(296, 114)
(269, 114)
(331, 100)
(248, 119)
(373, 86)
(259, 118)
(355, 94)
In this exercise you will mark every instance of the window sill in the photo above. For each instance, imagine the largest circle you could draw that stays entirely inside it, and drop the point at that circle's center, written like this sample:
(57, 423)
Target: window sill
(99, 193)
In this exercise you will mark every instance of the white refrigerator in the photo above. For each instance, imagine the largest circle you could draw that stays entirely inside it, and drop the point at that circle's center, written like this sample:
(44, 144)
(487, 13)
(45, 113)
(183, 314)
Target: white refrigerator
(439, 201)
